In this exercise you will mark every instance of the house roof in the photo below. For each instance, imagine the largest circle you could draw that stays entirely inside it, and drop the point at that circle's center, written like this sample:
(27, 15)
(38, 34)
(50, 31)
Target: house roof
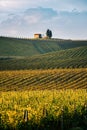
(37, 34)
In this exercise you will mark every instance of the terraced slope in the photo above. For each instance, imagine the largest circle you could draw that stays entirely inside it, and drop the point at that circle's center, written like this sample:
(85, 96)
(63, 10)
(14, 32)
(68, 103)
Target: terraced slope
(30, 47)
(43, 79)
(70, 58)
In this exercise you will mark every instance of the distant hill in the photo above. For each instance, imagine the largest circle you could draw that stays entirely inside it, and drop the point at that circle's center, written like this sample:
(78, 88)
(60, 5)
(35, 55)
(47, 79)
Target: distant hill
(22, 54)
(31, 47)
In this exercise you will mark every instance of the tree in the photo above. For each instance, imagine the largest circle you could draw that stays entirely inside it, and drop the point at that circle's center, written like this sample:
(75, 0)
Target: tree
(49, 33)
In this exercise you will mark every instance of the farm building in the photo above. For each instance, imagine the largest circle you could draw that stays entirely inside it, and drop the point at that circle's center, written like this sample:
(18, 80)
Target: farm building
(37, 36)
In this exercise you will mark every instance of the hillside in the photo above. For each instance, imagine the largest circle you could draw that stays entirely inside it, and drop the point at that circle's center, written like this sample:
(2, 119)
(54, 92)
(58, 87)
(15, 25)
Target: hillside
(31, 47)
(70, 58)
(20, 54)
(27, 67)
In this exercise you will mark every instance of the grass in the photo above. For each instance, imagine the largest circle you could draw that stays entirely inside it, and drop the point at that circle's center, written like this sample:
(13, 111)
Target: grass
(70, 58)
(30, 47)
(22, 54)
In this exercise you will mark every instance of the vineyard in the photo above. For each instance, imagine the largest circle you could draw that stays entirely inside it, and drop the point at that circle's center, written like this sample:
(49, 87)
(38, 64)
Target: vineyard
(47, 110)
(43, 84)
(43, 79)
(69, 58)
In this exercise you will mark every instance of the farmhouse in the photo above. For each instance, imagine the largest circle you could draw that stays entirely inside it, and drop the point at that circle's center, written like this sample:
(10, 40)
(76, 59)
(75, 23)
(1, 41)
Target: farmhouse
(37, 35)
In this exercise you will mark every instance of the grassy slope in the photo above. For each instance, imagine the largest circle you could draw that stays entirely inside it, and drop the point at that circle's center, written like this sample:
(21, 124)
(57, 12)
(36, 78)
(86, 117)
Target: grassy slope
(27, 47)
(70, 58)
(41, 54)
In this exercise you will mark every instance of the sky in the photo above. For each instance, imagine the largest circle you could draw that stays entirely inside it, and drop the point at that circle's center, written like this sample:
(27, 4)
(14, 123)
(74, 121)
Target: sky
(67, 19)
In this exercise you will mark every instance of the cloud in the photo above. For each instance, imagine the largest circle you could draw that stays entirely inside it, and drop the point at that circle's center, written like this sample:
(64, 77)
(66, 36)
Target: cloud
(33, 18)
(40, 13)
(66, 18)
(30, 16)
(56, 4)
(20, 4)
(71, 24)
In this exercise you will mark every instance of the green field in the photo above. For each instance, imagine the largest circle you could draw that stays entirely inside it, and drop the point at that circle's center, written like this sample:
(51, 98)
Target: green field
(70, 58)
(22, 54)
(30, 47)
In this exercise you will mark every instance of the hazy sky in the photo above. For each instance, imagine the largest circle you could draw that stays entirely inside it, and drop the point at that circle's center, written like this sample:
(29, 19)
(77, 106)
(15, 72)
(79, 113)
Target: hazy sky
(22, 18)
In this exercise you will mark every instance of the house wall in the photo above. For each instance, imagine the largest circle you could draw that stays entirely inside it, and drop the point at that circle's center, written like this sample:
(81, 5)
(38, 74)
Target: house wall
(37, 35)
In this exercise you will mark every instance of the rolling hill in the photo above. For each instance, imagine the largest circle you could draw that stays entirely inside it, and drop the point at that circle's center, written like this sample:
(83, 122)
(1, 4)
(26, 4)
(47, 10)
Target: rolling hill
(69, 58)
(42, 64)
(29, 66)
(31, 47)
